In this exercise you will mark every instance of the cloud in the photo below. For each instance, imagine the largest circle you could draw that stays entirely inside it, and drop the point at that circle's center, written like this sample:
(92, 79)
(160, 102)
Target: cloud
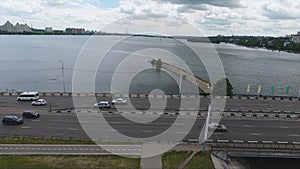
(150, 13)
(275, 12)
(129, 11)
(219, 3)
(192, 8)
(55, 2)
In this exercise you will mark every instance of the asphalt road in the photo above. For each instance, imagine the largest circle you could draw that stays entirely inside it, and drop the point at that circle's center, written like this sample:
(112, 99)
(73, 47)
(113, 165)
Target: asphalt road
(63, 102)
(66, 125)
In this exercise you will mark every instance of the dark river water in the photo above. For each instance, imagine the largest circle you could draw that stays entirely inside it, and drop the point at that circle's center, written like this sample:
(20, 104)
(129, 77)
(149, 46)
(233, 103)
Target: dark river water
(32, 63)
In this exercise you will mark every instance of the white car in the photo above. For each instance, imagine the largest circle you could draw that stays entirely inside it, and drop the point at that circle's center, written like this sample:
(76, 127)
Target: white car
(119, 101)
(39, 102)
(102, 104)
(217, 127)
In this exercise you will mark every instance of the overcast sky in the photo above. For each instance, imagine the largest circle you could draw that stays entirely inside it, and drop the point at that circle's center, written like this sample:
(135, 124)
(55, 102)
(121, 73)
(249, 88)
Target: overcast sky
(211, 17)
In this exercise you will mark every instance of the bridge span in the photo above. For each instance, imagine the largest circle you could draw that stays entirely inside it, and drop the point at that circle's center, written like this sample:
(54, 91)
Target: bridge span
(204, 85)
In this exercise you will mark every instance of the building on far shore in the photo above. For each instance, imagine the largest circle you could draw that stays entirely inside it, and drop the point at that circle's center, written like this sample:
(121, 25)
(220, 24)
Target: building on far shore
(18, 28)
(48, 30)
(296, 37)
(75, 31)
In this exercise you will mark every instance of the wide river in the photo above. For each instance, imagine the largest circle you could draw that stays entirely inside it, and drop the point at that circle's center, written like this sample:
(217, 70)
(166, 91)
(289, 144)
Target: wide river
(33, 63)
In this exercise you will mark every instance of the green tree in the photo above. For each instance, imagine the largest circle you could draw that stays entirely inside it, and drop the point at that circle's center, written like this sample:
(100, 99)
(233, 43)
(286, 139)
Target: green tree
(222, 87)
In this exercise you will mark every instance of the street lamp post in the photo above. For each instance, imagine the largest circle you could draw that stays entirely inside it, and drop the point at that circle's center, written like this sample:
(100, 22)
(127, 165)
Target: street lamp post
(206, 129)
(63, 74)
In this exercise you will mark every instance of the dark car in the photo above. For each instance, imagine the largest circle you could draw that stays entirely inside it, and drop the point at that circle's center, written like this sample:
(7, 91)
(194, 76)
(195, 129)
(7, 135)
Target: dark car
(11, 119)
(31, 114)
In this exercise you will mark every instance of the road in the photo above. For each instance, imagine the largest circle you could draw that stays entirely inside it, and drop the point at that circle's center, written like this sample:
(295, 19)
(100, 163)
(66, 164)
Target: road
(40, 149)
(66, 125)
(61, 102)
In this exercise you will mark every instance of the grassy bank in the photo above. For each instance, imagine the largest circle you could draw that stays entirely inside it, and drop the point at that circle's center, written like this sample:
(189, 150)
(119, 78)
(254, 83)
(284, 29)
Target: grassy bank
(200, 160)
(68, 162)
(173, 159)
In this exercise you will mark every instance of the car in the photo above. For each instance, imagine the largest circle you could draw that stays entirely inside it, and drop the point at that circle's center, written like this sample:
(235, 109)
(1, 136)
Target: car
(31, 114)
(217, 127)
(119, 101)
(102, 104)
(28, 96)
(12, 119)
(39, 102)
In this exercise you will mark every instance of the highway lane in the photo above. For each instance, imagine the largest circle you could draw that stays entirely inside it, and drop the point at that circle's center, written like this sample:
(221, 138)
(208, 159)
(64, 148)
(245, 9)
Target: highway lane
(67, 125)
(61, 102)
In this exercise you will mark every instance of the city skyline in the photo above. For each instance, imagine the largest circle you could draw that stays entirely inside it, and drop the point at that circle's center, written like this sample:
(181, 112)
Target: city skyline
(233, 17)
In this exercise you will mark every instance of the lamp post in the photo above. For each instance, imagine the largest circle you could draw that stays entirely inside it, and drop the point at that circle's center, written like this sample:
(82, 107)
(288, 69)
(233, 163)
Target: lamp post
(206, 129)
(63, 74)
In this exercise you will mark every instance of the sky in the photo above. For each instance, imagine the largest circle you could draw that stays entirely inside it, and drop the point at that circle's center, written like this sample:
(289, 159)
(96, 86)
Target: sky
(209, 17)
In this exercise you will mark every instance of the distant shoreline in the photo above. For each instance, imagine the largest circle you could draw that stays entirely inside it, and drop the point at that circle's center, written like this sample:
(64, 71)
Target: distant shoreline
(245, 41)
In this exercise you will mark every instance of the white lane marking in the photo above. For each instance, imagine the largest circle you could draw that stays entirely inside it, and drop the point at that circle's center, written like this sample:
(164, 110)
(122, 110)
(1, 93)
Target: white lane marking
(182, 132)
(146, 131)
(284, 127)
(36, 120)
(74, 129)
(293, 135)
(25, 127)
(248, 126)
(255, 134)
(112, 130)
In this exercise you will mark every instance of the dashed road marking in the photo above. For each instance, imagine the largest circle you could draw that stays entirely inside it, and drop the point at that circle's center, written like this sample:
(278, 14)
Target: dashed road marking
(293, 135)
(112, 130)
(182, 132)
(74, 129)
(255, 134)
(146, 131)
(247, 126)
(284, 127)
(25, 127)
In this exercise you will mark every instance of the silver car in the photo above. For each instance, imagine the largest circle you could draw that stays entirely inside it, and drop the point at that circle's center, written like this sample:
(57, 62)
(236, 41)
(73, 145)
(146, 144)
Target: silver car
(39, 102)
(119, 101)
(102, 104)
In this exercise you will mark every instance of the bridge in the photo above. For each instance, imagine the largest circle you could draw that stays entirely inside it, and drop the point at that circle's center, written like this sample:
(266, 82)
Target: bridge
(204, 85)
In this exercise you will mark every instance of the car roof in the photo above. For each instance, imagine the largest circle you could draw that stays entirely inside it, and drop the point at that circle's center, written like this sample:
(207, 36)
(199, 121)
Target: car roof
(29, 111)
(11, 116)
(29, 93)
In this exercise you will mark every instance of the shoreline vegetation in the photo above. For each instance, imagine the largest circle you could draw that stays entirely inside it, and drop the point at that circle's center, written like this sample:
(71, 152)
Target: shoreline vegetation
(270, 43)
(264, 42)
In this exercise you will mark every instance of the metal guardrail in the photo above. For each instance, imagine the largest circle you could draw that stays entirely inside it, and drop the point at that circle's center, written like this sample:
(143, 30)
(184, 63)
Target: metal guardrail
(258, 148)
(235, 97)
